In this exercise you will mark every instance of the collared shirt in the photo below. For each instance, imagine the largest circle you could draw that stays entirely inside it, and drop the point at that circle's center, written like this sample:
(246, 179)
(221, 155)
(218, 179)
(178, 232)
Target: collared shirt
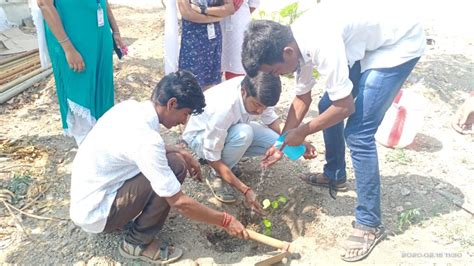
(335, 34)
(224, 108)
(124, 142)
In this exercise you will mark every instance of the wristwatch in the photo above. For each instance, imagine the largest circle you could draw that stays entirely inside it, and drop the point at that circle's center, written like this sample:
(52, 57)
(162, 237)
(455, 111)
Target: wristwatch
(203, 9)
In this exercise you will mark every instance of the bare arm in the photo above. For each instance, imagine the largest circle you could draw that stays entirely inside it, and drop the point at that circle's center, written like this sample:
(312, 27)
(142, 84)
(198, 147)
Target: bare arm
(191, 15)
(112, 21)
(115, 30)
(170, 149)
(337, 112)
(54, 22)
(277, 126)
(51, 16)
(196, 211)
(192, 165)
(224, 171)
(298, 109)
(222, 11)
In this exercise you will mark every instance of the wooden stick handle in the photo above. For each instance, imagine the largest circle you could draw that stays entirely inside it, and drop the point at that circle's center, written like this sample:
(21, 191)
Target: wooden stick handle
(270, 241)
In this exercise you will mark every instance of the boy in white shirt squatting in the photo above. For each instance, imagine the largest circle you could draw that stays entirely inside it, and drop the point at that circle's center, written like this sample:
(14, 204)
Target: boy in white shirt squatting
(124, 173)
(224, 132)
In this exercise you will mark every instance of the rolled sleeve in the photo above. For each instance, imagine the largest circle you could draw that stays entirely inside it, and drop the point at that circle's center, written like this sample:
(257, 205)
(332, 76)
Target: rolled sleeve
(215, 134)
(254, 3)
(269, 116)
(332, 62)
(304, 79)
(153, 164)
(213, 143)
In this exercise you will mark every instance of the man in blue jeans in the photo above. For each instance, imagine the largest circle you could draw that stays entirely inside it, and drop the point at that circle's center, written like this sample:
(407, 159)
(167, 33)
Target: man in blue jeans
(366, 53)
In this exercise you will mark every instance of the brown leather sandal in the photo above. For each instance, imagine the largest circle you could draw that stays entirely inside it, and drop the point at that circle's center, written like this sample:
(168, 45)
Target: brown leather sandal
(321, 180)
(161, 256)
(364, 243)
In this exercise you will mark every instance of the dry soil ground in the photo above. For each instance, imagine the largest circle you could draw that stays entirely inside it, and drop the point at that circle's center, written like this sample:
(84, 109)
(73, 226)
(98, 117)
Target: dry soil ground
(418, 182)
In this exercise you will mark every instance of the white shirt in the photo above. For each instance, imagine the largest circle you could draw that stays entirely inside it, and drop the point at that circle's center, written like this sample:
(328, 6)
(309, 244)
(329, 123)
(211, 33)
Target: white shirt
(233, 28)
(124, 142)
(224, 108)
(335, 34)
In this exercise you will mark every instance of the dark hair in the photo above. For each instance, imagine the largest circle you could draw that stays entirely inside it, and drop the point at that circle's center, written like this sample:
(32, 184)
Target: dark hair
(264, 41)
(264, 86)
(183, 86)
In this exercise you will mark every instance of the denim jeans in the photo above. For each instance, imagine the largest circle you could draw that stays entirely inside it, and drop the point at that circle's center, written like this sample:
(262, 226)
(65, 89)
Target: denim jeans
(374, 91)
(243, 140)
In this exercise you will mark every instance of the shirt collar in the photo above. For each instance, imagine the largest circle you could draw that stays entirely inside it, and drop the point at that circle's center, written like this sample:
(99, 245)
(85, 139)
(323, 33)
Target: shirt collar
(151, 117)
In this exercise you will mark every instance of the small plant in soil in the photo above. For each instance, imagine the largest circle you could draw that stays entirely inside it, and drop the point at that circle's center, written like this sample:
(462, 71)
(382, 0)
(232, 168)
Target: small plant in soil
(407, 218)
(399, 156)
(19, 186)
(272, 206)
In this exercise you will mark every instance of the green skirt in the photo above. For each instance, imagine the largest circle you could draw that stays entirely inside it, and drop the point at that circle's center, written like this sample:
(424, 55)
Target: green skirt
(88, 94)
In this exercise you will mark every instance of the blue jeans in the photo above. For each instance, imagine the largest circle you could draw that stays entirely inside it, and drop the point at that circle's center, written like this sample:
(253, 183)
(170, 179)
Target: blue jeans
(243, 140)
(374, 91)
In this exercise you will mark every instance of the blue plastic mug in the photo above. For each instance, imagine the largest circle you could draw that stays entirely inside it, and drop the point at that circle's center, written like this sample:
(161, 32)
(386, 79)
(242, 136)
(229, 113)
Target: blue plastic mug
(292, 152)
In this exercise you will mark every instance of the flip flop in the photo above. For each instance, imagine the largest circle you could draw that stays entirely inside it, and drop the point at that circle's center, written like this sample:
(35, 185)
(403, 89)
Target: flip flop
(220, 189)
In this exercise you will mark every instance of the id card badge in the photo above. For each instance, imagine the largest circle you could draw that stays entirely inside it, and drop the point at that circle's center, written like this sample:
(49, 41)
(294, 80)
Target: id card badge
(211, 31)
(100, 17)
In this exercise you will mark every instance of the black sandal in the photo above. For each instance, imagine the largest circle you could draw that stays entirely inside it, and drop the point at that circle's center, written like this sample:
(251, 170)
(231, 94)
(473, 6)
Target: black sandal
(364, 242)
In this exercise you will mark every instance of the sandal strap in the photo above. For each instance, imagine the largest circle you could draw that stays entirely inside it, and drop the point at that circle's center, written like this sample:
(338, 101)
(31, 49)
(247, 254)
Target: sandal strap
(361, 242)
(312, 178)
(135, 250)
(373, 230)
(332, 189)
(163, 252)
